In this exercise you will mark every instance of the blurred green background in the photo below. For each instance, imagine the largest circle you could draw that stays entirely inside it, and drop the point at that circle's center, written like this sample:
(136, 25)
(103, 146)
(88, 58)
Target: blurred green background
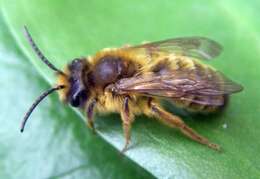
(56, 142)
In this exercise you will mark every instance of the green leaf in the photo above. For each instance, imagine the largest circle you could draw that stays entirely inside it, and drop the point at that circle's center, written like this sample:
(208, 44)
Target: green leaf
(68, 29)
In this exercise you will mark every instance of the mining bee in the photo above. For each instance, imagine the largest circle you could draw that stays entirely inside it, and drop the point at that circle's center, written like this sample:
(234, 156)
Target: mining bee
(132, 80)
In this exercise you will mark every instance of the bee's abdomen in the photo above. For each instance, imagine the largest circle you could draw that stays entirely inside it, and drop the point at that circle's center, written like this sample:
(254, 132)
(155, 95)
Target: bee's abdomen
(203, 103)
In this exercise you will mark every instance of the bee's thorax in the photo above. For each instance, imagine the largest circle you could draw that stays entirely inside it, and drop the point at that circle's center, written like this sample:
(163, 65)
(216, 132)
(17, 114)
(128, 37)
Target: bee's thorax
(109, 69)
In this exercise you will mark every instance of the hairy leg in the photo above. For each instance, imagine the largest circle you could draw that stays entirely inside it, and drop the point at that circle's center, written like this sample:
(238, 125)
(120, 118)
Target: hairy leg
(127, 119)
(90, 114)
(174, 121)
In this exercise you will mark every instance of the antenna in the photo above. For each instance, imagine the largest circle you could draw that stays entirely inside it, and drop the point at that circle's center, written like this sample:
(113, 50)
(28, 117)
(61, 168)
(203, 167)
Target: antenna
(39, 53)
(36, 102)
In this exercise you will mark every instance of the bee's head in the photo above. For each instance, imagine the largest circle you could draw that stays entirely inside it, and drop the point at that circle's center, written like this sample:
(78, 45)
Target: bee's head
(76, 91)
(70, 84)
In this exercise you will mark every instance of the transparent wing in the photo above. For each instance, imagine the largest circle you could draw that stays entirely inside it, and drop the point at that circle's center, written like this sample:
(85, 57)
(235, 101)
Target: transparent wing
(197, 47)
(179, 85)
(204, 100)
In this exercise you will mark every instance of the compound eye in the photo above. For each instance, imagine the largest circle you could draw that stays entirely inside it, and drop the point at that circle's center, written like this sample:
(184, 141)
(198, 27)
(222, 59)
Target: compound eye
(78, 98)
(77, 64)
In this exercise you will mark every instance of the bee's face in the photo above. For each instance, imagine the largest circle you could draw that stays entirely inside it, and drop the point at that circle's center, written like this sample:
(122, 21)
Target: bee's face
(77, 92)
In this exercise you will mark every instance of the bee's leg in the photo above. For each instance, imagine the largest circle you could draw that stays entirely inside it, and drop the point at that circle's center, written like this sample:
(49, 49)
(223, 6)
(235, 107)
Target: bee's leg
(176, 122)
(127, 119)
(90, 113)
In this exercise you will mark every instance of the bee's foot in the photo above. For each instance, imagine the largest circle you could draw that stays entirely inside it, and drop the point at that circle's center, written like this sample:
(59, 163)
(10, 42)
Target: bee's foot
(214, 146)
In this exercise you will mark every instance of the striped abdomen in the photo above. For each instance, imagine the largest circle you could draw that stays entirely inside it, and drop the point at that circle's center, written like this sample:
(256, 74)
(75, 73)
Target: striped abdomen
(190, 101)
(202, 103)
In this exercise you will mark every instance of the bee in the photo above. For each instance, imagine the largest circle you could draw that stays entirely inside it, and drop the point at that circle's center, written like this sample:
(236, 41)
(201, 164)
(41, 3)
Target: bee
(133, 80)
